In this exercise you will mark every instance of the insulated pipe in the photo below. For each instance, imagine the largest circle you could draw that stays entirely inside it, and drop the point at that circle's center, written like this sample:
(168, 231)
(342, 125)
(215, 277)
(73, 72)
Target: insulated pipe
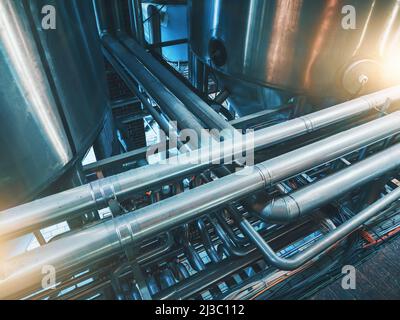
(325, 243)
(55, 208)
(162, 122)
(303, 201)
(174, 108)
(85, 247)
(192, 101)
(310, 156)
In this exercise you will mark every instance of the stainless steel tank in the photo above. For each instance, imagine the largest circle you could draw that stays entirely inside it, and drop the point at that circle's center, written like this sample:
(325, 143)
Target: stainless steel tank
(52, 93)
(300, 46)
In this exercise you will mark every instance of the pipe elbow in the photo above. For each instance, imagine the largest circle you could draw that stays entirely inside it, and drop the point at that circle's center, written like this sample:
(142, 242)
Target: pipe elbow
(281, 210)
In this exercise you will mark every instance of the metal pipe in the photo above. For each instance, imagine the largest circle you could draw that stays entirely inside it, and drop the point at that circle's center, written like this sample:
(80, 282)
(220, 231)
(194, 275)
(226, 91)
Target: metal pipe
(102, 19)
(202, 280)
(55, 208)
(230, 247)
(296, 205)
(207, 242)
(174, 108)
(326, 242)
(162, 122)
(229, 231)
(89, 245)
(310, 156)
(136, 17)
(192, 101)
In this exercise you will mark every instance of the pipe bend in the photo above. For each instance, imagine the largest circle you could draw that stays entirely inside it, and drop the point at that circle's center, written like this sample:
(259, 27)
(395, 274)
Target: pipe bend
(281, 210)
(287, 264)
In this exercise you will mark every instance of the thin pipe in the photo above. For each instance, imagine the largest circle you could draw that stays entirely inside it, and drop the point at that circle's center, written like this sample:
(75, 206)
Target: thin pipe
(326, 242)
(231, 233)
(228, 244)
(207, 242)
(174, 108)
(92, 244)
(192, 101)
(162, 122)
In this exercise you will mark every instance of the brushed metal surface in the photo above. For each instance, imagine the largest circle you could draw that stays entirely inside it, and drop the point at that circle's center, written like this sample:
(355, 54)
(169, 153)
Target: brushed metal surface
(52, 94)
(297, 45)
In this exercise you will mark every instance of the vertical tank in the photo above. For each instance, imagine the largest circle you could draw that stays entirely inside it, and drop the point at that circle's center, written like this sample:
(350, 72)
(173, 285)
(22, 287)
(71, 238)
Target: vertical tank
(52, 93)
(322, 48)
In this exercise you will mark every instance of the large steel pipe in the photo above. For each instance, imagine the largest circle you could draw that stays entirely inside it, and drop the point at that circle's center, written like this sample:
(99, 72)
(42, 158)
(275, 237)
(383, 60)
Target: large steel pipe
(304, 201)
(192, 101)
(162, 121)
(168, 102)
(55, 208)
(84, 247)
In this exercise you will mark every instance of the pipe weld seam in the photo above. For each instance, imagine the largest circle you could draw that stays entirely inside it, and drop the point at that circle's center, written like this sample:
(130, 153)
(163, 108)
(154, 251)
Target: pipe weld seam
(308, 123)
(124, 233)
(373, 102)
(298, 213)
(266, 178)
(103, 191)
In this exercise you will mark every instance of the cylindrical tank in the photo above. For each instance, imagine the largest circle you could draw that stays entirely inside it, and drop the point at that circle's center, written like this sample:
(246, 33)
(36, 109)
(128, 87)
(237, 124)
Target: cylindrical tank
(52, 92)
(335, 48)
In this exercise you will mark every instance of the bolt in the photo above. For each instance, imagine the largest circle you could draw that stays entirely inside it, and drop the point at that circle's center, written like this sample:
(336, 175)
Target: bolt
(363, 79)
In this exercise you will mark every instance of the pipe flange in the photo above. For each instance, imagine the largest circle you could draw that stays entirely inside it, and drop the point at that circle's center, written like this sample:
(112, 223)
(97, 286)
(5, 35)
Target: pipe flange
(103, 191)
(265, 175)
(309, 125)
